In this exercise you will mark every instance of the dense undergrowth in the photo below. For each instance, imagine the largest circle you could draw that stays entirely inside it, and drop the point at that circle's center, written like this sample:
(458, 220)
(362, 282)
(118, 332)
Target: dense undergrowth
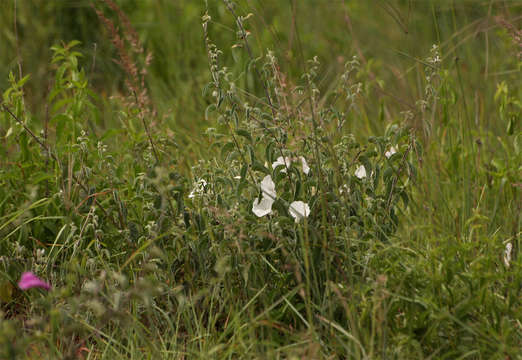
(225, 194)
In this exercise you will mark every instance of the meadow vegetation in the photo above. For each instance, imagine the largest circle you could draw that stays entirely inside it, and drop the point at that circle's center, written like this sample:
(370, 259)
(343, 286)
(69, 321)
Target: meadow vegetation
(260, 179)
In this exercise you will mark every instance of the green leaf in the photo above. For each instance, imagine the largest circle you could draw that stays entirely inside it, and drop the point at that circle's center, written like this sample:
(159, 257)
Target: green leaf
(41, 177)
(260, 167)
(243, 172)
(23, 80)
(298, 187)
(269, 154)
(60, 104)
(252, 154)
(227, 148)
(24, 146)
(413, 170)
(73, 43)
(376, 177)
(244, 133)
(6, 291)
(388, 172)
(405, 198)
(61, 121)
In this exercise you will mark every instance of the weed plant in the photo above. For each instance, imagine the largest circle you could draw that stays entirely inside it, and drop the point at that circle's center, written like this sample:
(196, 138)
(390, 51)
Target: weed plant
(301, 211)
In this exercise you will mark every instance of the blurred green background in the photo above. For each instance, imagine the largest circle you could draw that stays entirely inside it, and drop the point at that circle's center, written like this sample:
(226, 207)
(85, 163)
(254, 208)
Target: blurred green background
(392, 37)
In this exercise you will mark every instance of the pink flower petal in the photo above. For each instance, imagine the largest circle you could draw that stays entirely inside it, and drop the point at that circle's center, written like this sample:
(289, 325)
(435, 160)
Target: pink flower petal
(30, 280)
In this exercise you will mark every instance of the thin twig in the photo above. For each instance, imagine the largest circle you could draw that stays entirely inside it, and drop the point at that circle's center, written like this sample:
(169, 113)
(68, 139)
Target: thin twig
(42, 144)
(142, 116)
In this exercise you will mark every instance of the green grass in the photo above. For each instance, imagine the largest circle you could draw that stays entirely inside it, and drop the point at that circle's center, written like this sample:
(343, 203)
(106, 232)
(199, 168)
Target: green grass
(101, 190)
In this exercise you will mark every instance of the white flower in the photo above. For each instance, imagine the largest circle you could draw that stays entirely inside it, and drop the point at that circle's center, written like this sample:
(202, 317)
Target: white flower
(268, 187)
(507, 254)
(390, 152)
(264, 207)
(286, 161)
(344, 188)
(299, 210)
(306, 169)
(360, 172)
(199, 188)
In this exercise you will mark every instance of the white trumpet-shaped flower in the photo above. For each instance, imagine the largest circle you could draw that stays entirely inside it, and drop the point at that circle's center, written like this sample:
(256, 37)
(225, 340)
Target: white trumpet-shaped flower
(264, 207)
(285, 161)
(306, 168)
(390, 152)
(360, 172)
(299, 210)
(268, 187)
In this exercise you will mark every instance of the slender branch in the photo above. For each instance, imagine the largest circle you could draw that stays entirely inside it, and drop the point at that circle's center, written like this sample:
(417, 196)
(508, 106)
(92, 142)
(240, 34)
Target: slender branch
(146, 129)
(42, 144)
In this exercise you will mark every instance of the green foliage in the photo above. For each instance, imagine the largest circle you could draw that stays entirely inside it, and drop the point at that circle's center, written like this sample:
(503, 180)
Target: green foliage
(363, 207)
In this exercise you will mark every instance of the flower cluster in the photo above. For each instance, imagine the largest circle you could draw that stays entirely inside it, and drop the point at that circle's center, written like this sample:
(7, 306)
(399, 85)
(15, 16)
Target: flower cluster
(199, 188)
(297, 209)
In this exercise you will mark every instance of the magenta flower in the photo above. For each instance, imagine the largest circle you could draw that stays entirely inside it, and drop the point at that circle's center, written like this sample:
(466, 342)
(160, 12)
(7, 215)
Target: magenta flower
(30, 280)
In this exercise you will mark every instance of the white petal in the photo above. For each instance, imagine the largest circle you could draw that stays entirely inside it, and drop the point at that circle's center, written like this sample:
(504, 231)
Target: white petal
(286, 161)
(507, 254)
(360, 172)
(390, 152)
(268, 187)
(344, 188)
(306, 168)
(263, 207)
(299, 210)
(279, 161)
(199, 188)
